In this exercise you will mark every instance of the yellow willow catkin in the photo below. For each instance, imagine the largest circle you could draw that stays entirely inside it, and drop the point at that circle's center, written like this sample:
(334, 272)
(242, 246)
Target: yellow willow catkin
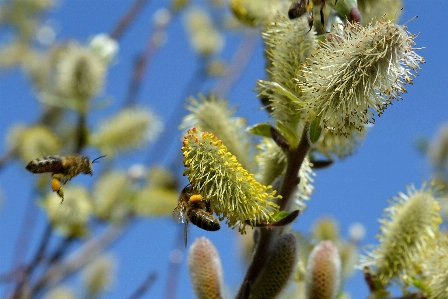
(205, 269)
(410, 225)
(233, 192)
(214, 115)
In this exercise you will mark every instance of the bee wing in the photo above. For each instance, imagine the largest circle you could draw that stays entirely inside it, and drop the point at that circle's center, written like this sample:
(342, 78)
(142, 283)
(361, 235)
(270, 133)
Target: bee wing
(46, 164)
(180, 215)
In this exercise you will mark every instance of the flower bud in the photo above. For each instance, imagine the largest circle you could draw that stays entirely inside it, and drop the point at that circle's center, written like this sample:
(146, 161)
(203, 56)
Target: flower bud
(278, 269)
(205, 269)
(323, 272)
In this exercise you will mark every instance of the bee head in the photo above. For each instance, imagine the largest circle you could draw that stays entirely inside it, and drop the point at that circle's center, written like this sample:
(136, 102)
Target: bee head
(89, 169)
(87, 165)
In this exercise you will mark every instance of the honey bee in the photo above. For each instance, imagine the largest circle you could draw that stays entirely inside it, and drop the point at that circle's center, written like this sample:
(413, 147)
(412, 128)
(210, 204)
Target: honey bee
(193, 208)
(299, 7)
(63, 169)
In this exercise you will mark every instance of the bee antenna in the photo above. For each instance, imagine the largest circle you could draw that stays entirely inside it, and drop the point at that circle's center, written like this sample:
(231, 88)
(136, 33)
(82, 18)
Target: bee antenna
(98, 158)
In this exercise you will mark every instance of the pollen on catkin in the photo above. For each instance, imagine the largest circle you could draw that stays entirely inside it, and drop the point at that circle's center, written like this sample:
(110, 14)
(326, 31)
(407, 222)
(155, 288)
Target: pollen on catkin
(323, 271)
(288, 45)
(435, 265)
(337, 146)
(233, 192)
(356, 73)
(71, 218)
(205, 38)
(278, 269)
(99, 275)
(128, 129)
(60, 292)
(33, 141)
(410, 225)
(80, 73)
(111, 196)
(205, 269)
(214, 115)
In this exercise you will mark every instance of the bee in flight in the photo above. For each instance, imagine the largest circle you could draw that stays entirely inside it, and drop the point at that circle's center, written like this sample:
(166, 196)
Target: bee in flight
(299, 7)
(63, 169)
(192, 207)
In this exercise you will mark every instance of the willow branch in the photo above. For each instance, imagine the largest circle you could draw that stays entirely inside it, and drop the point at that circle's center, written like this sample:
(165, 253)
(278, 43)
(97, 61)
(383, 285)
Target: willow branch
(238, 63)
(144, 59)
(38, 256)
(77, 260)
(160, 147)
(174, 267)
(127, 18)
(295, 158)
(145, 286)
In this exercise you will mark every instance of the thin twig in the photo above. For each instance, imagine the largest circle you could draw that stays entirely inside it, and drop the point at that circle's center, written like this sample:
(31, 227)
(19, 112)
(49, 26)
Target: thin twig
(419, 295)
(8, 157)
(127, 18)
(77, 260)
(238, 63)
(145, 286)
(27, 227)
(18, 292)
(81, 133)
(62, 248)
(164, 141)
(174, 267)
(144, 59)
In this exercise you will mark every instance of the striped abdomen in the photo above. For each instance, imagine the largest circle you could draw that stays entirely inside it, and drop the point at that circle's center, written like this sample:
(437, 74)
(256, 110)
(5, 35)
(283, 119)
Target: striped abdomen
(46, 164)
(203, 219)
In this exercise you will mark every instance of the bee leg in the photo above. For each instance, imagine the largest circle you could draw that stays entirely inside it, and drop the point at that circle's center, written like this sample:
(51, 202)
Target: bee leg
(322, 20)
(56, 186)
(310, 20)
(208, 208)
(65, 180)
(185, 233)
(61, 195)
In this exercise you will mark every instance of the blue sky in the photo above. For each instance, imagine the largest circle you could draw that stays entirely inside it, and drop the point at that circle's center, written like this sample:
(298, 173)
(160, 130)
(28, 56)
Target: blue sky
(354, 190)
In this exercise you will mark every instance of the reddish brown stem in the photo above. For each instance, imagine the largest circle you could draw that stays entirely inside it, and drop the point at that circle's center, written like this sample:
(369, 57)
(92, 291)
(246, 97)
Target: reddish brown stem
(144, 59)
(145, 286)
(267, 236)
(127, 18)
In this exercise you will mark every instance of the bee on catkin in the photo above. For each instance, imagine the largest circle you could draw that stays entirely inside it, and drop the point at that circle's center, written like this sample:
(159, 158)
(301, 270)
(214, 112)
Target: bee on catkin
(63, 169)
(192, 207)
(300, 7)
